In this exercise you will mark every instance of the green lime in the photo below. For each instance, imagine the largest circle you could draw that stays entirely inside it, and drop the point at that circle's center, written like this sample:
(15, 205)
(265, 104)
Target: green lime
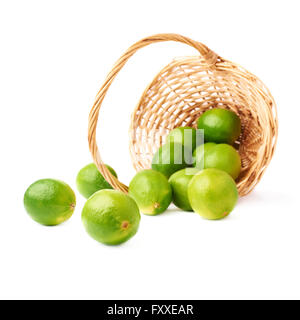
(172, 157)
(151, 191)
(199, 153)
(49, 202)
(184, 135)
(224, 157)
(220, 126)
(111, 217)
(179, 182)
(89, 180)
(212, 193)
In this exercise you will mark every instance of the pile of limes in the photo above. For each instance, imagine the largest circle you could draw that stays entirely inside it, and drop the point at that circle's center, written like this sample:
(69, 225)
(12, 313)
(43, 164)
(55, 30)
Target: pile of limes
(196, 174)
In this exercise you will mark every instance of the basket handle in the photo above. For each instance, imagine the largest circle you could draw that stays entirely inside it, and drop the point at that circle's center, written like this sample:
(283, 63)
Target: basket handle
(204, 51)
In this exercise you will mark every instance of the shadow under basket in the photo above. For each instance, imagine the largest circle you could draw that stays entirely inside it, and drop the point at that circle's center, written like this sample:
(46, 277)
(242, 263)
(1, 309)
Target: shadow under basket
(179, 94)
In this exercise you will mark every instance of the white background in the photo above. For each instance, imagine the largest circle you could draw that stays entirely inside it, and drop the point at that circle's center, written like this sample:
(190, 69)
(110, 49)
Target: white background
(54, 57)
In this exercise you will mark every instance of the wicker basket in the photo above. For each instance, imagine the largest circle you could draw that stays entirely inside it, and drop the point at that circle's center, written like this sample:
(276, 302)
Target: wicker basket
(180, 93)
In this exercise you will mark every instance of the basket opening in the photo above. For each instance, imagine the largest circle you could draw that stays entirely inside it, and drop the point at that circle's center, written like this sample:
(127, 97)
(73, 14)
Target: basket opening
(183, 91)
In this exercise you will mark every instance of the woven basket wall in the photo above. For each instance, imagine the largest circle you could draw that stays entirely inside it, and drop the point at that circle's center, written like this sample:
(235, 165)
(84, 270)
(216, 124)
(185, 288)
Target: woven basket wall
(180, 93)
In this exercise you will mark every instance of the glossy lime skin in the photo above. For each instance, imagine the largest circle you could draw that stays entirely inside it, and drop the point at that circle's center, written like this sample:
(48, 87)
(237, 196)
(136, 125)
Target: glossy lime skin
(151, 191)
(49, 202)
(224, 157)
(212, 194)
(220, 126)
(179, 182)
(172, 157)
(111, 217)
(89, 180)
(184, 135)
(199, 153)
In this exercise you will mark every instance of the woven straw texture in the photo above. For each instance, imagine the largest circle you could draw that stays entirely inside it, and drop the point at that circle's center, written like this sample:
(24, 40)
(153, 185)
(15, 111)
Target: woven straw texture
(179, 94)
